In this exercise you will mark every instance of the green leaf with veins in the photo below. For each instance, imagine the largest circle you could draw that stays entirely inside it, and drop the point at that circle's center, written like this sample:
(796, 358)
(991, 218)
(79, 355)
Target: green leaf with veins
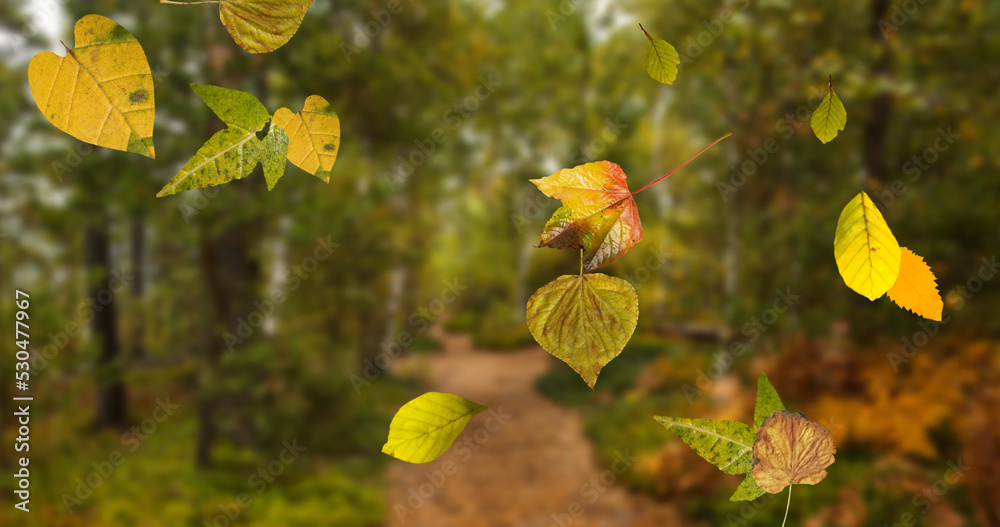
(661, 59)
(233, 153)
(829, 117)
(584, 320)
(426, 427)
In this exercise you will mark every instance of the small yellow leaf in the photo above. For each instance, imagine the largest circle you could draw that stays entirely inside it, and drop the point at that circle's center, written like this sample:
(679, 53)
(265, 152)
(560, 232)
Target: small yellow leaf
(916, 288)
(314, 135)
(790, 449)
(101, 92)
(866, 251)
(829, 117)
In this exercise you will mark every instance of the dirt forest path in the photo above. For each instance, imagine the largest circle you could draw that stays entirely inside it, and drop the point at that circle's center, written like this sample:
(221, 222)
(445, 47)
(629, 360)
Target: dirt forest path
(520, 473)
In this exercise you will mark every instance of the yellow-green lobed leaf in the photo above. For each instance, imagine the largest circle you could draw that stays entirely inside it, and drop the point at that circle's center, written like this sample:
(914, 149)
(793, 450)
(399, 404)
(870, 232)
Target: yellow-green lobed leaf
(726, 444)
(584, 320)
(768, 403)
(829, 117)
(867, 254)
(661, 59)
(426, 427)
(233, 153)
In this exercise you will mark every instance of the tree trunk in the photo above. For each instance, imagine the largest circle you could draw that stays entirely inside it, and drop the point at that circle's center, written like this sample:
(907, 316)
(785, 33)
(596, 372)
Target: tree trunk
(110, 408)
(137, 239)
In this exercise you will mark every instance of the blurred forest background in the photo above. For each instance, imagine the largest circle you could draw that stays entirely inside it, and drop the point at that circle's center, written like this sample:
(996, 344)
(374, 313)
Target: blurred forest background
(156, 336)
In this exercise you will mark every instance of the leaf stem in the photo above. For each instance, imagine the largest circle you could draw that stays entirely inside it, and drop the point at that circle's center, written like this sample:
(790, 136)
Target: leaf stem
(189, 3)
(644, 31)
(788, 506)
(683, 164)
(581, 262)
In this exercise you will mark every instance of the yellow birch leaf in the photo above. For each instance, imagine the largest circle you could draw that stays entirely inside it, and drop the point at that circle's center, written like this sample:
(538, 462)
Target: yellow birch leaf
(101, 92)
(916, 288)
(866, 251)
(314, 136)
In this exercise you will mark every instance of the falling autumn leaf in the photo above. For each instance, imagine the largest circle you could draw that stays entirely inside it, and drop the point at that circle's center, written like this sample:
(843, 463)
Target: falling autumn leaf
(916, 288)
(314, 135)
(584, 320)
(259, 26)
(233, 153)
(426, 427)
(790, 449)
(598, 213)
(101, 92)
(867, 253)
(830, 117)
(661, 59)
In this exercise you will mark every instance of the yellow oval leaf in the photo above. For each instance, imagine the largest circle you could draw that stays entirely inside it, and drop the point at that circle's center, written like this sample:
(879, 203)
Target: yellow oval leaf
(314, 136)
(916, 288)
(261, 26)
(866, 251)
(101, 92)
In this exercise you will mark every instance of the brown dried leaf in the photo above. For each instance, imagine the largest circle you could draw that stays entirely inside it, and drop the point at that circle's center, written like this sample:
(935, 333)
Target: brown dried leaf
(790, 449)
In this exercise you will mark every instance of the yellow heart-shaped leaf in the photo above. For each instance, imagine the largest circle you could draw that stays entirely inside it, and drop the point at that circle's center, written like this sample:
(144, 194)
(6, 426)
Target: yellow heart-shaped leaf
(101, 92)
(313, 134)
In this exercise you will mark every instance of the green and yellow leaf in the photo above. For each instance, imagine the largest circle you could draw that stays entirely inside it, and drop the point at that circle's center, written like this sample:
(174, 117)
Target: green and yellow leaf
(767, 404)
(584, 320)
(233, 153)
(726, 444)
(661, 59)
(426, 427)
(867, 253)
(916, 287)
(314, 135)
(101, 92)
(598, 213)
(829, 117)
